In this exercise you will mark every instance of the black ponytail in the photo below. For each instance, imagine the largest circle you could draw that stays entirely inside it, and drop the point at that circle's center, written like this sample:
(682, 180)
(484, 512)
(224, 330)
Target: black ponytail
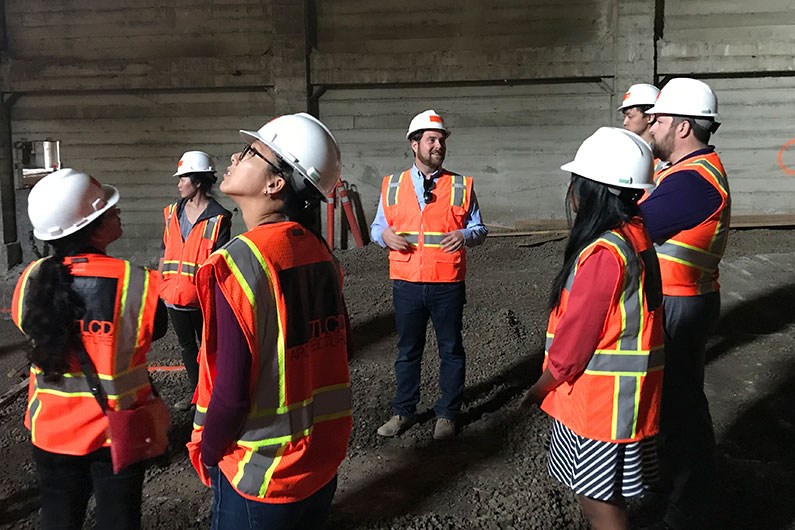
(598, 211)
(53, 307)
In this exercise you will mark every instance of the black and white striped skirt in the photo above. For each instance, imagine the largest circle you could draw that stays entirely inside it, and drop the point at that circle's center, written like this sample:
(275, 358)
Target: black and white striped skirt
(601, 470)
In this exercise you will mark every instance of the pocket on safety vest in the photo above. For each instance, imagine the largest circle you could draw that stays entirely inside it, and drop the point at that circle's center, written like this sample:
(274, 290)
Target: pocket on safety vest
(450, 257)
(394, 255)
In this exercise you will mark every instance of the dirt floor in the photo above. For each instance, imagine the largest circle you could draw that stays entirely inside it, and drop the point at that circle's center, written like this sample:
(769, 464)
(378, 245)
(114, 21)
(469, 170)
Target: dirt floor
(493, 475)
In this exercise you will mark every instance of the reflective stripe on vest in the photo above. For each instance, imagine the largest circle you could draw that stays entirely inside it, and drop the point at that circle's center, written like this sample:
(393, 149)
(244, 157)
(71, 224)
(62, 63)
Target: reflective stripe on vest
(458, 197)
(429, 239)
(394, 185)
(121, 387)
(279, 426)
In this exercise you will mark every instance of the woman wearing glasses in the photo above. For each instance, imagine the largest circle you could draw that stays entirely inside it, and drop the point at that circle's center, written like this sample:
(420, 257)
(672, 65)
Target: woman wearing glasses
(273, 410)
(195, 226)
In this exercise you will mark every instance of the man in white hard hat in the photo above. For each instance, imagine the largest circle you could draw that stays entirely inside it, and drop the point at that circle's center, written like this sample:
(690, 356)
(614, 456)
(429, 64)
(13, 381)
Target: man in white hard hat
(687, 216)
(426, 216)
(638, 99)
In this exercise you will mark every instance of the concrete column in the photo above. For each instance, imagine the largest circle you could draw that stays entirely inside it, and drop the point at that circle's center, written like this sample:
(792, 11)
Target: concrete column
(10, 250)
(290, 56)
(634, 47)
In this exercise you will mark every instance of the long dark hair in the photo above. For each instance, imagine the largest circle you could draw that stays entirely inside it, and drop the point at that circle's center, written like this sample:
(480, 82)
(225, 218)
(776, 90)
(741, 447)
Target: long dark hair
(598, 211)
(53, 307)
(300, 207)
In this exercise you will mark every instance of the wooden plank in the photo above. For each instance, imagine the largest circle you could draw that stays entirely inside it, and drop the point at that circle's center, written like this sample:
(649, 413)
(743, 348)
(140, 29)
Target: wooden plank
(762, 221)
(541, 224)
(553, 234)
(13, 392)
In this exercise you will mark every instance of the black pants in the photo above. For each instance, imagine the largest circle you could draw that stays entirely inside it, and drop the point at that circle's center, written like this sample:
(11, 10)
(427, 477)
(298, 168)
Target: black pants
(188, 327)
(66, 483)
(687, 439)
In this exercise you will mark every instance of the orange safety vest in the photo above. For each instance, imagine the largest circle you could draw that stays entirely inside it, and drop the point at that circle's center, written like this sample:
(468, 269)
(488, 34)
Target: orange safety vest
(121, 300)
(689, 259)
(425, 229)
(181, 259)
(286, 292)
(617, 397)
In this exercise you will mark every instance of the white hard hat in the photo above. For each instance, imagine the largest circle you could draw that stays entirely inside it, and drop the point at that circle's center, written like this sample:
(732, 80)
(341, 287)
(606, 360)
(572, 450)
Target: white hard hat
(307, 146)
(65, 201)
(639, 94)
(427, 120)
(616, 157)
(683, 96)
(194, 162)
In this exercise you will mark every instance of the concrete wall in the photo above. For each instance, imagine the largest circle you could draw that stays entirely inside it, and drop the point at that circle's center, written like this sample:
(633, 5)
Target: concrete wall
(127, 87)
(747, 53)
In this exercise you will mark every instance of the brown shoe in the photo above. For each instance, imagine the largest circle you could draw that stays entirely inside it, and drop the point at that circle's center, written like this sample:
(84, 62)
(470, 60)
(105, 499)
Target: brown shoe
(444, 430)
(395, 426)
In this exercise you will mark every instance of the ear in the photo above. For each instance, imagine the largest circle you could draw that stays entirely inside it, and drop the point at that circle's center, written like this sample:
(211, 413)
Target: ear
(683, 130)
(274, 185)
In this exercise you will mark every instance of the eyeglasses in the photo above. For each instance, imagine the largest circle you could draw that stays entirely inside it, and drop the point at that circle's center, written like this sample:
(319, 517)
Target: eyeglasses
(248, 149)
(428, 185)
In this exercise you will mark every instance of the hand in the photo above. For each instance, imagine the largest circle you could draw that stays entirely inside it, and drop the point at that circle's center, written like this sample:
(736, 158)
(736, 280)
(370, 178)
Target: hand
(453, 241)
(530, 398)
(394, 241)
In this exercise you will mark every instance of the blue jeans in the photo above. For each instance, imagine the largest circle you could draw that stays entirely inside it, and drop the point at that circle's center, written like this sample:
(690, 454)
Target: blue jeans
(232, 511)
(444, 303)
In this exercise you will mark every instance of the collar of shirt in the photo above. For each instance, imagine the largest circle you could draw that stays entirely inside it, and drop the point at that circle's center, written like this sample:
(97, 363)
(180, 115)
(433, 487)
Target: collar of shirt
(417, 179)
(417, 175)
(707, 150)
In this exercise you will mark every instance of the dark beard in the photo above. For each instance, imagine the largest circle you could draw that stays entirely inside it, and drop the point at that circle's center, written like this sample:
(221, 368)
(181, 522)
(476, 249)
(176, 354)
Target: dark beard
(658, 153)
(429, 161)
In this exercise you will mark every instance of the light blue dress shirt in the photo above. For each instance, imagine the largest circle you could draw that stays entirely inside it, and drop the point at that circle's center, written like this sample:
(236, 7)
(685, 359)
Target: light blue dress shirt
(474, 232)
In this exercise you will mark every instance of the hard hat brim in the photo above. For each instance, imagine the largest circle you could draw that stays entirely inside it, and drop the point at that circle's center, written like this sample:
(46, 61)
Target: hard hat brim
(178, 174)
(574, 167)
(446, 132)
(622, 107)
(662, 110)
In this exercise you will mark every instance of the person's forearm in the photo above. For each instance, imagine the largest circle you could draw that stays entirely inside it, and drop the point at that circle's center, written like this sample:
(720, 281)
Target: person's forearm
(545, 384)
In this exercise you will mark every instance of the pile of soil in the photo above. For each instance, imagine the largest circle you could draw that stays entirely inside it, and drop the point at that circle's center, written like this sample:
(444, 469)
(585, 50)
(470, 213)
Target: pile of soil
(492, 476)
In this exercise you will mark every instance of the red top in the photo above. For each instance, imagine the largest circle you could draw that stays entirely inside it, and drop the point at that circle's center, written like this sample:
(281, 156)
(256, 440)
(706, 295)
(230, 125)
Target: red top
(580, 328)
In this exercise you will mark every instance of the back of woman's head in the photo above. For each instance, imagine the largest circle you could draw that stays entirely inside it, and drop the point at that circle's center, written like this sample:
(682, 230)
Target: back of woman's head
(598, 209)
(65, 209)
(203, 181)
(611, 169)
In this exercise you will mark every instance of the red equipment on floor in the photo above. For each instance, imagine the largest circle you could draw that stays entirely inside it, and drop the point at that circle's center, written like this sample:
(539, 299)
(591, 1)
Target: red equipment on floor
(342, 193)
